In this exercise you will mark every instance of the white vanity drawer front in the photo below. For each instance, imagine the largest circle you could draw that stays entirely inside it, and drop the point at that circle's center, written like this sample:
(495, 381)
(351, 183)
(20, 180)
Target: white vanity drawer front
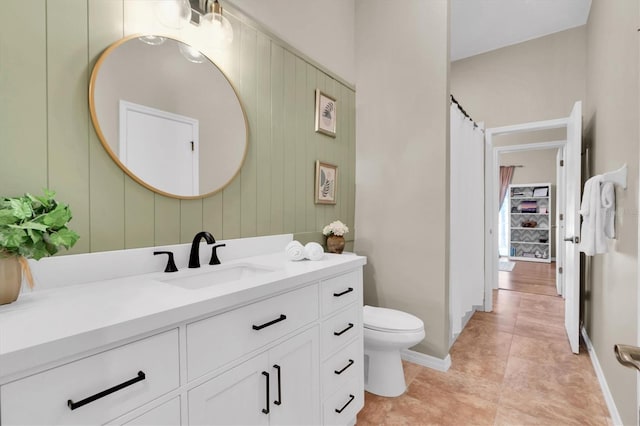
(44, 398)
(340, 329)
(338, 292)
(167, 414)
(343, 406)
(220, 339)
(345, 365)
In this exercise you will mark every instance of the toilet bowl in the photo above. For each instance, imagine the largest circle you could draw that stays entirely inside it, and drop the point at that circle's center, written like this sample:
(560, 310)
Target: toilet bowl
(386, 333)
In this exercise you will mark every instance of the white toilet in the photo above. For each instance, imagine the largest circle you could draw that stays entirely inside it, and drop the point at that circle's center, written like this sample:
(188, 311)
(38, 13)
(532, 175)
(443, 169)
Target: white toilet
(386, 332)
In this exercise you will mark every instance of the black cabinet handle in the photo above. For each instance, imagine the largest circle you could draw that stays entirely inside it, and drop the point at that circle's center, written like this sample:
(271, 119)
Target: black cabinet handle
(351, 398)
(344, 368)
(349, 290)
(339, 333)
(267, 324)
(73, 405)
(279, 400)
(266, 410)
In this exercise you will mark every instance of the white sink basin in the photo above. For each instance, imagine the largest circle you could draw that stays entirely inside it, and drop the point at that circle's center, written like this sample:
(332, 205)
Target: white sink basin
(218, 274)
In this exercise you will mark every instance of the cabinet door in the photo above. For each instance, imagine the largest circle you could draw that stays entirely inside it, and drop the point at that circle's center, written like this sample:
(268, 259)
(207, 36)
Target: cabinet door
(295, 389)
(236, 397)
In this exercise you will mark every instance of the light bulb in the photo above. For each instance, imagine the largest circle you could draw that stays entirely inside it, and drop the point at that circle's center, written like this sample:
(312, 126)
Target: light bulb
(173, 13)
(153, 40)
(191, 53)
(217, 30)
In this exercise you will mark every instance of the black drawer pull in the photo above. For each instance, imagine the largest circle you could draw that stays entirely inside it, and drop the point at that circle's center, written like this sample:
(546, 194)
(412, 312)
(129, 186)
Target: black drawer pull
(339, 333)
(73, 405)
(267, 324)
(279, 400)
(266, 410)
(349, 290)
(344, 368)
(351, 398)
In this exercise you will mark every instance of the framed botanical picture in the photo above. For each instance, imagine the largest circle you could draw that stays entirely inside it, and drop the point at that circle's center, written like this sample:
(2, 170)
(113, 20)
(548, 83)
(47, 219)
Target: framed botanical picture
(326, 114)
(326, 183)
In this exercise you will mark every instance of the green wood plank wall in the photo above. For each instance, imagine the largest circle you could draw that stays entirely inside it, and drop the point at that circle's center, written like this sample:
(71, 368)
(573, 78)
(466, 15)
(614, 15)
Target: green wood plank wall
(47, 52)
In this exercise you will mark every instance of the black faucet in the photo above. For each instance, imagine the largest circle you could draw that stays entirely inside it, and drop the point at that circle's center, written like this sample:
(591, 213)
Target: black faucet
(194, 257)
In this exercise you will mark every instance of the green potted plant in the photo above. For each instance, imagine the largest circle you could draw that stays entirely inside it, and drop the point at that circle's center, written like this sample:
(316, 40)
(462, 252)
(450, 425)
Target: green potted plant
(30, 228)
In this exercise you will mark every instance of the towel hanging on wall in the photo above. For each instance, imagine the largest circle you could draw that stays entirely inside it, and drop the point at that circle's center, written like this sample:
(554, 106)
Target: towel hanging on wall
(598, 210)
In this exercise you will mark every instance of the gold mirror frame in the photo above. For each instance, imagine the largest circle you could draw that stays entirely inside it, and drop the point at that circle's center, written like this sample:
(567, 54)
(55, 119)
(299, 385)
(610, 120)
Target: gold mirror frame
(107, 146)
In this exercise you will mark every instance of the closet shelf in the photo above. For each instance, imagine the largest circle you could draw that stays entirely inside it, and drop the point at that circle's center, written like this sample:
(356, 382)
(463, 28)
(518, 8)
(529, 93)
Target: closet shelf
(529, 229)
(530, 242)
(522, 197)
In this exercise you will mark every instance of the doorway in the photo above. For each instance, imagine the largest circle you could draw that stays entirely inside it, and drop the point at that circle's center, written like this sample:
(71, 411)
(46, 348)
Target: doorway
(569, 226)
(528, 221)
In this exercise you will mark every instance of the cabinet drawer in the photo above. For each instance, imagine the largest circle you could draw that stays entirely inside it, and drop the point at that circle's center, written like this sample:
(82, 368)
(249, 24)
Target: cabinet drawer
(340, 329)
(343, 366)
(43, 398)
(343, 407)
(338, 292)
(167, 414)
(215, 341)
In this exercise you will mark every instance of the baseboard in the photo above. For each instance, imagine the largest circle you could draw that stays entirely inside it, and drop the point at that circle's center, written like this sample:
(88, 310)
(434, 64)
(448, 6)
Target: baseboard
(426, 360)
(611, 405)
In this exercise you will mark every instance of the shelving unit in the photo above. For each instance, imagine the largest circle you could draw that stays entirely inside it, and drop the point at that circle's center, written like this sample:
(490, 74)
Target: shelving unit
(530, 222)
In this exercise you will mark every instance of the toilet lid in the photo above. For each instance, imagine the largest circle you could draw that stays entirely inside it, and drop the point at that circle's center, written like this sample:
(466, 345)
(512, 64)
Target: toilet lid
(390, 320)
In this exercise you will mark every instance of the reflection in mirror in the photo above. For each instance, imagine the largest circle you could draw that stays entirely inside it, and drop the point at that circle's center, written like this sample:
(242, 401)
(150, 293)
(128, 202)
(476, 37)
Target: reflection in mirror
(168, 117)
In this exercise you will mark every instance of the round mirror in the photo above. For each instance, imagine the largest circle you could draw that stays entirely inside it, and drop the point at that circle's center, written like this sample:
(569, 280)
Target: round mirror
(168, 116)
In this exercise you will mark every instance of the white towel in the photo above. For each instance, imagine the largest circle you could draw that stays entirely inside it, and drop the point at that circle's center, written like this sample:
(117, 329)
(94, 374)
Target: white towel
(608, 197)
(313, 251)
(598, 214)
(294, 251)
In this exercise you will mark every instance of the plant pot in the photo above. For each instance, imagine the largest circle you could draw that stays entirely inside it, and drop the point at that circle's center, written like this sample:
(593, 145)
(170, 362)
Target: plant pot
(335, 244)
(10, 279)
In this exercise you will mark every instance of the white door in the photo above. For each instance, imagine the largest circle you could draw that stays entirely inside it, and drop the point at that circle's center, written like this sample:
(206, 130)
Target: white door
(572, 227)
(560, 212)
(237, 397)
(294, 380)
(160, 148)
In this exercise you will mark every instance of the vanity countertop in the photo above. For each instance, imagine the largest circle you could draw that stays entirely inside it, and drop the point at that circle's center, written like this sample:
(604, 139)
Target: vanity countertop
(45, 327)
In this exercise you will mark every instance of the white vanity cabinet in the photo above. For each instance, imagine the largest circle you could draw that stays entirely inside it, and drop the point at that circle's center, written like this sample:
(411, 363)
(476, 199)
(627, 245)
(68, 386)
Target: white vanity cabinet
(342, 366)
(286, 353)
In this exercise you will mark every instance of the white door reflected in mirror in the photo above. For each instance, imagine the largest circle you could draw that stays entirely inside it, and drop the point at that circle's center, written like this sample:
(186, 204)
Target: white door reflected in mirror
(153, 142)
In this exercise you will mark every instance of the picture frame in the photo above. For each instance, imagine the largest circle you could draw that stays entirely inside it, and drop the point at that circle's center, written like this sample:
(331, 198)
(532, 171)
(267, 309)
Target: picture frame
(541, 191)
(326, 183)
(326, 114)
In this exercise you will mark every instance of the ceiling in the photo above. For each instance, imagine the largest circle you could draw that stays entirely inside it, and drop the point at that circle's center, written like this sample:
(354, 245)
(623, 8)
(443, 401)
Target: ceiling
(478, 26)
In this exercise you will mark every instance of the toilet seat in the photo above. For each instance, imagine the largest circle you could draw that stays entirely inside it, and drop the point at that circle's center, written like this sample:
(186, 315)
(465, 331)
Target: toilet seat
(390, 320)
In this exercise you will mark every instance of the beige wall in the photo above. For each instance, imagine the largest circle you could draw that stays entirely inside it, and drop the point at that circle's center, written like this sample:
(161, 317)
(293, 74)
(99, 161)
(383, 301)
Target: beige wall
(611, 121)
(402, 160)
(48, 140)
(531, 81)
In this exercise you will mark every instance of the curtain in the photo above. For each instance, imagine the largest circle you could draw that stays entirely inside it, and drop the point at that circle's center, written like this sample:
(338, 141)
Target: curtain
(506, 174)
(466, 238)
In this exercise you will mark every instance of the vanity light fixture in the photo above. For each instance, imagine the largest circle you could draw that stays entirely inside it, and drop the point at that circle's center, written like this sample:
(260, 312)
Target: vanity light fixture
(218, 28)
(205, 14)
(173, 14)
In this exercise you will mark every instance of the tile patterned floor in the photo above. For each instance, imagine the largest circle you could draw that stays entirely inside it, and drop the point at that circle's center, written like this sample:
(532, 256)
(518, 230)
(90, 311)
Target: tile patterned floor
(512, 366)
